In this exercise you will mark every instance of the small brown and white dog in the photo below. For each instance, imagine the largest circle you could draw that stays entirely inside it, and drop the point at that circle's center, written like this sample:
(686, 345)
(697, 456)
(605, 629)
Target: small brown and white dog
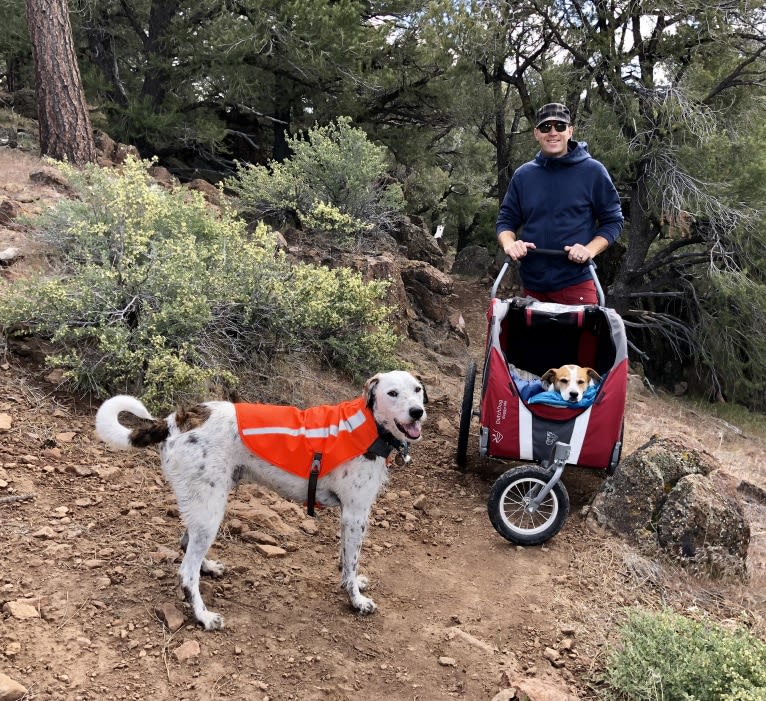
(570, 381)
(203, 457)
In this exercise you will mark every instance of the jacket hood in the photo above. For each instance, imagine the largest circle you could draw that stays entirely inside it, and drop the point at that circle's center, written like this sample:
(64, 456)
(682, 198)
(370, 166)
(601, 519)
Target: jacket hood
(577, 153)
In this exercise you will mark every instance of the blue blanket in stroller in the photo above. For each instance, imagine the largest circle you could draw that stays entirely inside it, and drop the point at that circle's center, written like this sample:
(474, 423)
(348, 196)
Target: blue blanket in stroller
(532, 392)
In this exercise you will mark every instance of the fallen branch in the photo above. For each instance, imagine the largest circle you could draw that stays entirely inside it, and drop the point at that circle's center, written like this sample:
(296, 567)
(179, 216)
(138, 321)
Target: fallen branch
(17, 497)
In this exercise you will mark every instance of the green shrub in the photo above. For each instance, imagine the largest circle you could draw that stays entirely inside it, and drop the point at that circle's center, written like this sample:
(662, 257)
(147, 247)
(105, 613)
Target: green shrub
(154, 294)
(333, 182)
(668, 657)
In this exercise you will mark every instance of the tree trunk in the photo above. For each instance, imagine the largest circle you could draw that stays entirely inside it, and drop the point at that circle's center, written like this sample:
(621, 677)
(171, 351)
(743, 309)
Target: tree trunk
(157, 77)
(629, 278)
(65, 129)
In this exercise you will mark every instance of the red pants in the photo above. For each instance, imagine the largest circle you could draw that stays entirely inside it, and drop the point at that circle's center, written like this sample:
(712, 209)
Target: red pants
(581, 293)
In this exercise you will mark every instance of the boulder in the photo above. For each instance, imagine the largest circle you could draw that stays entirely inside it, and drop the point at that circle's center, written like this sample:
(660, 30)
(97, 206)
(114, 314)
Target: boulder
(209, 191)
(704, 528)
(662, 495)
(419, 244)
(428, 290)
(472, 261)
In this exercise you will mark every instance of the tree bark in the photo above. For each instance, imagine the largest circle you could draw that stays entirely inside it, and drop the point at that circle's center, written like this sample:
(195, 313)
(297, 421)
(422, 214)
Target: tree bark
(65, 128)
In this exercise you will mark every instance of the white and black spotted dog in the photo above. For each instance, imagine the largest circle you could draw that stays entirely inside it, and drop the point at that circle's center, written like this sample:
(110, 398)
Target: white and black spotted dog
(204, 456)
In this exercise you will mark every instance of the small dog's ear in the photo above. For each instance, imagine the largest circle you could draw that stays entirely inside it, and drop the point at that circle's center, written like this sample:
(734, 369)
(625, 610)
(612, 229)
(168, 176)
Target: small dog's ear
(423, 385)
(593, 375)
(369, 390)
(549, 378)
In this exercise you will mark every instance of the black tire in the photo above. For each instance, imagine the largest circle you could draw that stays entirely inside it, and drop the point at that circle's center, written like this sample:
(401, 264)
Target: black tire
(612, 469)
(466, 414)
(508, 497)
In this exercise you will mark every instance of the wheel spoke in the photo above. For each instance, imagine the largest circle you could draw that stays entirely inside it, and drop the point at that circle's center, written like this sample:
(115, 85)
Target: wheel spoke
(509, 506)
(516, 500)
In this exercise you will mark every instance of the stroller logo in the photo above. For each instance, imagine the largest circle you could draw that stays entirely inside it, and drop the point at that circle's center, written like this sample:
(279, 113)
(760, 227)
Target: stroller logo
(497, 437)
(501, 411)
(550, 438)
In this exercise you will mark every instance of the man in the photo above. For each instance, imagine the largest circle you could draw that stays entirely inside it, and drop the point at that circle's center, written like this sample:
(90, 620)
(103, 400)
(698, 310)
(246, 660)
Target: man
(563, 199)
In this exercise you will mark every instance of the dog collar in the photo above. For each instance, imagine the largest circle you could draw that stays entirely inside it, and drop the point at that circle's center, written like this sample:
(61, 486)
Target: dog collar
(384, 444)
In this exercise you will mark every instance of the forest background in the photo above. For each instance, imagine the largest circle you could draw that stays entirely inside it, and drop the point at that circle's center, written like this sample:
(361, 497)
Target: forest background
(670, 96)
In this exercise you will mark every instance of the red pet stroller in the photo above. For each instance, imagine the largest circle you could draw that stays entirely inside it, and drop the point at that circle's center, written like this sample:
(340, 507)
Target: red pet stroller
(529, 504)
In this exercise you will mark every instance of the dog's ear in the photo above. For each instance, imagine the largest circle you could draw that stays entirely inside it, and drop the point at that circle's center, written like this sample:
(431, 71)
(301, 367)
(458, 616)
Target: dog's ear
(369, 390)
(593, 375)
(423, 385)
(549, 378)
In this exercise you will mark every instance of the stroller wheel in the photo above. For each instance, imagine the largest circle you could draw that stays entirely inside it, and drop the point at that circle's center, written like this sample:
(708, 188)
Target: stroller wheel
(509, 502)
(466, 413)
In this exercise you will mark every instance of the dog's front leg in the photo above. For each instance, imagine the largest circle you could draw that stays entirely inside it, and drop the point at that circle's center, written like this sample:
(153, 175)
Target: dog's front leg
(353, 525)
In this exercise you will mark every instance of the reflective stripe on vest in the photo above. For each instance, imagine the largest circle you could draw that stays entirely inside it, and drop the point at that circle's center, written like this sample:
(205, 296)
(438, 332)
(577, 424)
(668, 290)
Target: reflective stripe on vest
(289, 437)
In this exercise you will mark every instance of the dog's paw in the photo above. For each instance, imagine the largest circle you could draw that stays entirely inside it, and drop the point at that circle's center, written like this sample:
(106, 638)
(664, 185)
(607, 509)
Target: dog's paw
(362, 582)
(364, 606)
(212, 567)
(211, 621)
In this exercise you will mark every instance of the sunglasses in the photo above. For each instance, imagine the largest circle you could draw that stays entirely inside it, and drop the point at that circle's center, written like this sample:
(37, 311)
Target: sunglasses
(545, 127)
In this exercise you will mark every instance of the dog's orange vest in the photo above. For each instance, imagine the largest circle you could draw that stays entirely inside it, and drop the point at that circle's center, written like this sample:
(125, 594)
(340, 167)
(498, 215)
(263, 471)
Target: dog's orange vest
(289, 437)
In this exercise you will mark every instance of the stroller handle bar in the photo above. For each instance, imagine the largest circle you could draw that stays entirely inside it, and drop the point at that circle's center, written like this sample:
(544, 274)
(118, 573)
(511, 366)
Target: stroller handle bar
(549, 252)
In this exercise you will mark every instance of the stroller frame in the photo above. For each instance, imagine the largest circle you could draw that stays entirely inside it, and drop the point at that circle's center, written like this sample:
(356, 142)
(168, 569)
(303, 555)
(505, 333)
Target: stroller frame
(529, 505)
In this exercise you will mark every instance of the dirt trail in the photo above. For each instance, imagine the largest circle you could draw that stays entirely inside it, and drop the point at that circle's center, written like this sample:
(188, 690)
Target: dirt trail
(94, 555)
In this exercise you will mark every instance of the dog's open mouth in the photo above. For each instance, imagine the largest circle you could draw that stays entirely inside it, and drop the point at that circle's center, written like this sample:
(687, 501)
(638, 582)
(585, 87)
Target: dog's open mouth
(412, 431)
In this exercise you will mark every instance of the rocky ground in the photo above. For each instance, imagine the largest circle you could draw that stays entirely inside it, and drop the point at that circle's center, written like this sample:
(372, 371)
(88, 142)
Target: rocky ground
(89, 551)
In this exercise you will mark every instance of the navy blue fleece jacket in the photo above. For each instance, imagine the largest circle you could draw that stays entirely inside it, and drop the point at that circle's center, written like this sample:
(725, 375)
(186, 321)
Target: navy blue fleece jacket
(557, 202)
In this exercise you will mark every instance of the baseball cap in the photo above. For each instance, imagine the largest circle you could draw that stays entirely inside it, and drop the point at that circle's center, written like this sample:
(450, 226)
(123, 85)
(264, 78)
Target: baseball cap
(553, 110)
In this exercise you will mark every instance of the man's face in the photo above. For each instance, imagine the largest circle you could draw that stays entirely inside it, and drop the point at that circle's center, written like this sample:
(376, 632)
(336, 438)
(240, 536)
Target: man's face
(553, 144)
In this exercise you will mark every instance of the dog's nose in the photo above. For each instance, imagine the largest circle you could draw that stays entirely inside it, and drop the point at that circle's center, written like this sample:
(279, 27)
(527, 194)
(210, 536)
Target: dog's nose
(573, 395)
(416, 412)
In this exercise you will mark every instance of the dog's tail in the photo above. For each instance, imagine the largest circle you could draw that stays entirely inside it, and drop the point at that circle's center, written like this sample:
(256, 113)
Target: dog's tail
(112, 432)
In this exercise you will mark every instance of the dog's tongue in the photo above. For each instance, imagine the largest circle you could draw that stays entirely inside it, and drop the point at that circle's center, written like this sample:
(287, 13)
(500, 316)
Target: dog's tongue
(412, 430)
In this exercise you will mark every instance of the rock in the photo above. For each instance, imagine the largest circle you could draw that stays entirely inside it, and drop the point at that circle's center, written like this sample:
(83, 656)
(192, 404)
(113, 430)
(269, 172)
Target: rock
(209, 191)
(704, 529)
(630, 501)
(457, 325)
(12, 649)
(9, 255)
(428, 289)
(5, 423)
(538, 690)
(270, 551)
(187, 651)
(459, 634)
(10, 690)
(748, 489)
(163, 176)
(505, 695)
(170, 616)
(419, 243)
(553, 656)
(310, 526)
(122, 151)
(51, 178)
(448, 662)
(259, 537)
(55, 377)
(263, 516)
(163, 554)
(472, 261)
(45, 532)
(666, 494)
(21, 610)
